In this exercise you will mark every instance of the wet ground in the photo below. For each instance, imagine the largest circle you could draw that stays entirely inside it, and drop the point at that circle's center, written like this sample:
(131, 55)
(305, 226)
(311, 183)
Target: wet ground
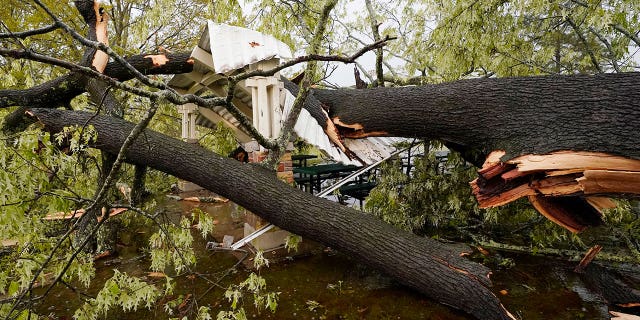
(323, 284)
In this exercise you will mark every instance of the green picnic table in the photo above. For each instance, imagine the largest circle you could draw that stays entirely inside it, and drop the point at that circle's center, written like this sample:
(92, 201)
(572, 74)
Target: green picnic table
(314, 175)
(358, 189)
(300, 160)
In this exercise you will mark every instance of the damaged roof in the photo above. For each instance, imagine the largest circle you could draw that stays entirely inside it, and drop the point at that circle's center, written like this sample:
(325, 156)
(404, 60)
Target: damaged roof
(224, 50)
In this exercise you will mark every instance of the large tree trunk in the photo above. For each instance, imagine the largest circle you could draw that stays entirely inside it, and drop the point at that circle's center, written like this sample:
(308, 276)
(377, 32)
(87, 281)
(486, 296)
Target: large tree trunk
(518, 115)
(562, 141)
(429, 266)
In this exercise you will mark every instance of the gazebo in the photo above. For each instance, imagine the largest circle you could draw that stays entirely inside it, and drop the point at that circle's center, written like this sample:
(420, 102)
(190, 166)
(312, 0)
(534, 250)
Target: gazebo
(225, 50)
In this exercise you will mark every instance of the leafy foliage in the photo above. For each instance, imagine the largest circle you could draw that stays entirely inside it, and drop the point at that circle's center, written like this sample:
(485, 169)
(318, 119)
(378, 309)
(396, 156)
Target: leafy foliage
(255, 286)
(121, 290)
(434, 193)
(434, 199)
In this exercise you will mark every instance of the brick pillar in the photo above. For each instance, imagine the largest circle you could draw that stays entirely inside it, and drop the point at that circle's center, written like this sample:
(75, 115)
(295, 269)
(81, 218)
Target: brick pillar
(276, 237)
(285, 168)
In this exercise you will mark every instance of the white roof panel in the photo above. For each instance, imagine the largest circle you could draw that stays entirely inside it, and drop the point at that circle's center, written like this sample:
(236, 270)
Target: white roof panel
(235, 47)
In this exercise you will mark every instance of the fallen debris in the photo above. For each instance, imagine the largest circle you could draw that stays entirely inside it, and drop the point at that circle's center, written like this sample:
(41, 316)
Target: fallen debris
(79, 213)
(591, 254)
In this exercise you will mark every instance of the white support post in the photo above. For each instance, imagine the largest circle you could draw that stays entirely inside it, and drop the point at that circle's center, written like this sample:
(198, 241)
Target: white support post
(265, 95)
(189, 114)
(276, 108)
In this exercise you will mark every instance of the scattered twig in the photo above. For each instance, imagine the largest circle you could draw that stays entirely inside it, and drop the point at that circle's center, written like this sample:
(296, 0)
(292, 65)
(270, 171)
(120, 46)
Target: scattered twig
(588, 257)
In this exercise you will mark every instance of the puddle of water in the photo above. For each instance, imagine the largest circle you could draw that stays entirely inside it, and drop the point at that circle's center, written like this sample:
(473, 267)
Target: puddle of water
(328, 285)
(545, 288)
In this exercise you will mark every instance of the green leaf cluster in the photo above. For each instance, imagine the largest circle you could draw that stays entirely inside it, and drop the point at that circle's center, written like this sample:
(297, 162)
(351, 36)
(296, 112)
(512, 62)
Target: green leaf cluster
(256, 287)
(121, 290)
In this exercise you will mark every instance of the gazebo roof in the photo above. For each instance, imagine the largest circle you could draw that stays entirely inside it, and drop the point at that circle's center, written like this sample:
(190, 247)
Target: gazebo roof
(224, 50)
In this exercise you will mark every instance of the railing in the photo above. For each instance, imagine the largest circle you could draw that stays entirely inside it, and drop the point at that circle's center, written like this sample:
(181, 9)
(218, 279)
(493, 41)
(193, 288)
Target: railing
(240, 243)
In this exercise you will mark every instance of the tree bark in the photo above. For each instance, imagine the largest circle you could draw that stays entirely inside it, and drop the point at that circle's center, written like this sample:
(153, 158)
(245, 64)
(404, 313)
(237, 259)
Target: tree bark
(518, 115)
(567, 126)
(431, 267)
(61, 90)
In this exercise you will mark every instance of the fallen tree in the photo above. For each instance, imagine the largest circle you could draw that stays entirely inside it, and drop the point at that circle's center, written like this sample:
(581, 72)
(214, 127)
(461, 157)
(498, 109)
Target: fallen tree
(507, 121)
(562, 141)
(510, 122)
(513, 117)
(432, 268)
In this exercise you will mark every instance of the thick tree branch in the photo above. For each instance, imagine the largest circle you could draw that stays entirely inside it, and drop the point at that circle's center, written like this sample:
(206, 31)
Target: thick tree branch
(518, 115)
(69, 86)
(62, 90)
(9, 97)
(431, 267)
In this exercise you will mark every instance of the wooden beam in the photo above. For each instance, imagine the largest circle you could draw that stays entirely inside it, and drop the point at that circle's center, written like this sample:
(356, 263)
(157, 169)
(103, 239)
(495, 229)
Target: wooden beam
(201, 56)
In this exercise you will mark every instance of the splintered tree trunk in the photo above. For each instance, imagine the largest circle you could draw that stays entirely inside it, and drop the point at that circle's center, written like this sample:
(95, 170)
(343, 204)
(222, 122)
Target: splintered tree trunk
(562, 141)
(429, 266)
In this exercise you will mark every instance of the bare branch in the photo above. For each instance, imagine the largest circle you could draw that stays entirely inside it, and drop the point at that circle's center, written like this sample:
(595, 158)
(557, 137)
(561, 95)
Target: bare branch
(29, 33)
(376, 37)
(592, 56)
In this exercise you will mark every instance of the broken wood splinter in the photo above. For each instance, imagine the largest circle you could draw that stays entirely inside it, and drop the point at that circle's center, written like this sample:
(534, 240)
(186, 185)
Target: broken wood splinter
(157, 59)
(571, 175)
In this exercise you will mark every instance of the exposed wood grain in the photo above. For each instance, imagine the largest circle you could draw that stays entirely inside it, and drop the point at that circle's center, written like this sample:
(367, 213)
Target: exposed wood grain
(574, 160)
(562, 211)
(608, 181)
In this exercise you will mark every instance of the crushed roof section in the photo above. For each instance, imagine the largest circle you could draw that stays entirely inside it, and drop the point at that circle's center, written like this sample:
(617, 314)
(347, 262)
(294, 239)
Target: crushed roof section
(368, 150)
